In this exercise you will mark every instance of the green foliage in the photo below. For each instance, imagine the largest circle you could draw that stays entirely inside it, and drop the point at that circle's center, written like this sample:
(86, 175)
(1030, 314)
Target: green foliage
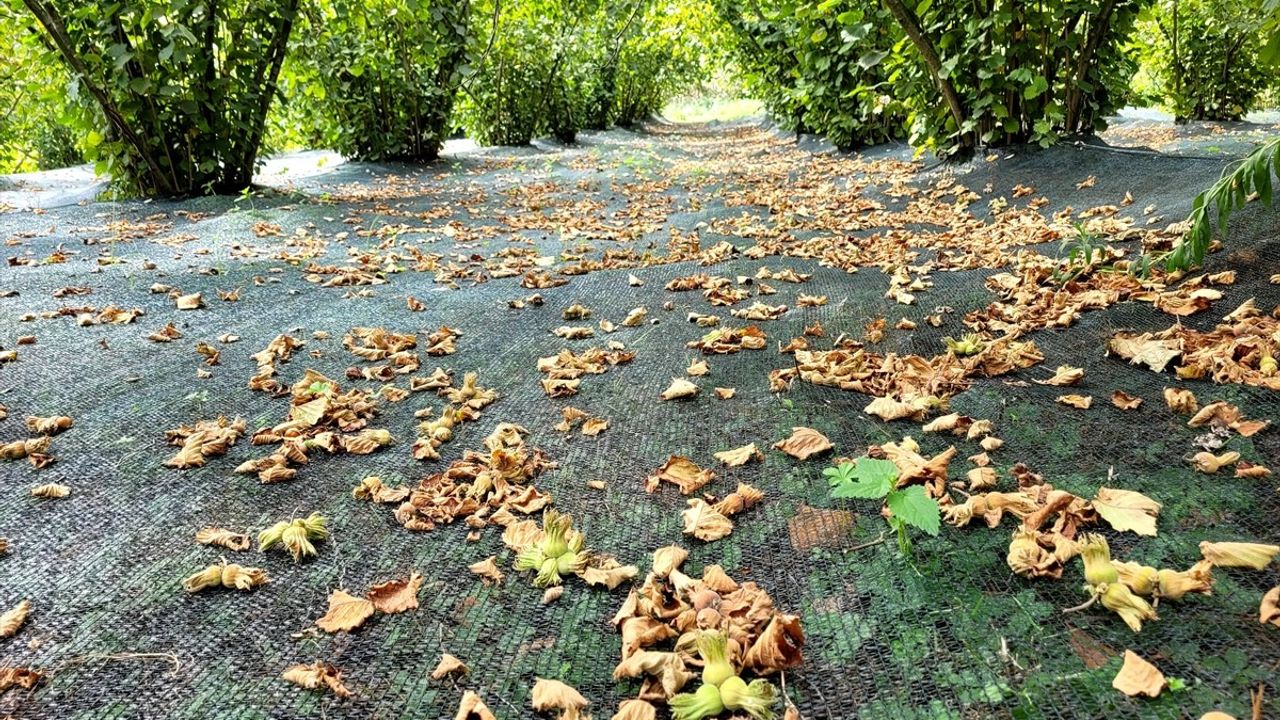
(1025, 72)
(1077, 255)
(558, 66)
(376, 79)
(1204, 56)
(870, 479)
(1270, 53)
(535, 78)
(1231, 191)
(171, 95)
(822, 67)
(1021, 72)
(669, 47)
(32, 101)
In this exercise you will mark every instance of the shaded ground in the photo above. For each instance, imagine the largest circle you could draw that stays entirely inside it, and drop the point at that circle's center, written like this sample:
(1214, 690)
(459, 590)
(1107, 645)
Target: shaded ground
(1153, 130)
(950, 633)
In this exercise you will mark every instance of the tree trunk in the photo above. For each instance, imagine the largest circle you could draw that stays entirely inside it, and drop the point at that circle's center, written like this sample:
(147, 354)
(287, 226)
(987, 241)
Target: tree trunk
(1075, 97)
(265, 79)
(911, 26)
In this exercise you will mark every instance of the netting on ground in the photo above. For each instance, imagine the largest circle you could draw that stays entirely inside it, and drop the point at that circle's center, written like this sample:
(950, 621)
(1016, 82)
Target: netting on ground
(949, 633)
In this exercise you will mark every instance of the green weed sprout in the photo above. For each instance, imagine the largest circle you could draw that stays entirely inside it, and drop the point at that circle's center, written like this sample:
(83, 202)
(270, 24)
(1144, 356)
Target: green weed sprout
(869, 479)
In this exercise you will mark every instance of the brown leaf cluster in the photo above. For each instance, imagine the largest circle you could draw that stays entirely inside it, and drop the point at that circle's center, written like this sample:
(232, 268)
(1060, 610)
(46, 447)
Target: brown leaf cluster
(1243, 350)
(480, 485)
(564, 370)
(203, 440)
(321, 417)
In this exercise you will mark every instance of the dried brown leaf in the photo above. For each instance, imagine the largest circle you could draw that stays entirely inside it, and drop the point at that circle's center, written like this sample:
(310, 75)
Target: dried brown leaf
(11, 620)
(1138, 677)
(346, 612)
(317, 675)
(449, 665)
(740, 456)
(704, 522)
(488, 570)
(679, 388)
(804, 443)
(396, 596)
(473, 708)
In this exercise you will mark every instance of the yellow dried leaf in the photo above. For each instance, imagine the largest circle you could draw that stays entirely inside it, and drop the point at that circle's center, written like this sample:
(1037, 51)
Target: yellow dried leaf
(21, 677)
(1269, 611)
(703, 522)
(1138, 677)
(310, 412)
(608, 573)
(1239, 554)
(889, 409)
(679, 388)
(1250, 470)
(1064, 376)
(635, 318)
(189, 302)
(594, 426)
(681, 471)
(1125, 401)
(473, 708)
(778, 647)
(572, 332)
(954, 423)
(804, 443)
(1127, 510)
(1077, 401)
(1146, 350)
(317, 675)
(740, 456)
(396, 596)
(11, 621)
(725, 393)
(449, 665)
(488, 570)
(346, 612)
(669, 558)
(555, 695)
(635, 709)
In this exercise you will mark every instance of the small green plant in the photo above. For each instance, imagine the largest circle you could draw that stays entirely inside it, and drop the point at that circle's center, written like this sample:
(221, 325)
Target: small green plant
(868, 479)
(1079, 255)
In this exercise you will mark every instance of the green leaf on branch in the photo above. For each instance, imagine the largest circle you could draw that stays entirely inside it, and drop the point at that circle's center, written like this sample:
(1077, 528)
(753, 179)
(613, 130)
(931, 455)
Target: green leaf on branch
(869, 478)
(913, 506)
